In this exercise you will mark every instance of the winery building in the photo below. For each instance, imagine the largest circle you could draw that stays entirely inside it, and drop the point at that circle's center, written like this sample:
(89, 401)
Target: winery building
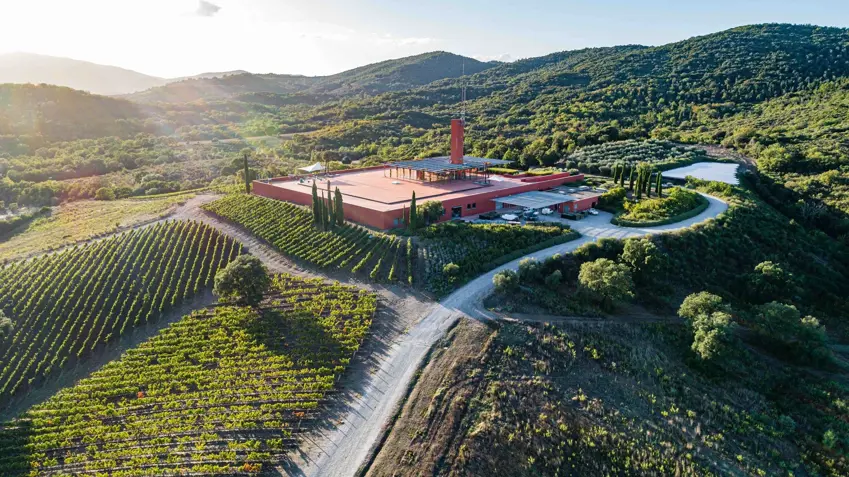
(379, 197)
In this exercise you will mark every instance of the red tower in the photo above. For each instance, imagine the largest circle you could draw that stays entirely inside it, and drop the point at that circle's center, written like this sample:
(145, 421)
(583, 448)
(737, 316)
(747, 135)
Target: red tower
(457, 141)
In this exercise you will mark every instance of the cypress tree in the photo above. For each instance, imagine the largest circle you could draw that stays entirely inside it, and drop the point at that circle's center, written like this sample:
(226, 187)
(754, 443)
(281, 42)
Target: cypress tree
(316, 217)
(631, 180)
(659, 186)
(340, 212)
(615, 171)
(649, 180)
(331, 216)
(247, 176)
(622, 177)
(414, 215)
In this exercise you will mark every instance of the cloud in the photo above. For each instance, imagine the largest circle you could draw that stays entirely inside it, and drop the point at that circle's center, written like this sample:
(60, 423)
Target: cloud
(504, 57)
(206, 9)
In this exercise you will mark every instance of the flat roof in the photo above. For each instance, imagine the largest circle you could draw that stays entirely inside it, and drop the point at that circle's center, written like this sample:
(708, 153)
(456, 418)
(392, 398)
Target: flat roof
(443, 164)
(535, 199)
(372, 189)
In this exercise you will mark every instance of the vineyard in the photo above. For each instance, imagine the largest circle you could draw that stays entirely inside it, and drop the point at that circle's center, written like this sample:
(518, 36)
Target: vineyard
(66, 305)
(290, 229)
(476, 248)
(662, 155)
(223, 391)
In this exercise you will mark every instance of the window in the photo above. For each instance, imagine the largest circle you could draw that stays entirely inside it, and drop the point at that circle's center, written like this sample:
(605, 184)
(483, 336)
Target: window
(396, 222)
(474, 205)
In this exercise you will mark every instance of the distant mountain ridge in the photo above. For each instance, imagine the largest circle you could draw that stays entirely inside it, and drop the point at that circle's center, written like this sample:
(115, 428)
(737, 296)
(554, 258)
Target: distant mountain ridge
(386, 76)
(23, 68)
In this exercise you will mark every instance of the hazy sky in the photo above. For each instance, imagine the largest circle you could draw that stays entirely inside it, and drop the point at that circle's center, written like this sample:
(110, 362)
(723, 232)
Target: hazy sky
(183, 37)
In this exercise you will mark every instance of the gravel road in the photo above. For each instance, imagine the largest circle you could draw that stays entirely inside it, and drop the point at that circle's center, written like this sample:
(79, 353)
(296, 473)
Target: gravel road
(345, 448)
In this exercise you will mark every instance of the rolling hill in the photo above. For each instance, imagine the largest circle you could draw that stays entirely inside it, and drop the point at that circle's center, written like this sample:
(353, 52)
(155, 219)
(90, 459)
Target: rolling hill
(391, 75)
(23, 68)
(81, 75)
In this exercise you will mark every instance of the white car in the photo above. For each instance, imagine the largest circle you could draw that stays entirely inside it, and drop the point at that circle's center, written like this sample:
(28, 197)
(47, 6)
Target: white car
(592, 212)
(546, 211)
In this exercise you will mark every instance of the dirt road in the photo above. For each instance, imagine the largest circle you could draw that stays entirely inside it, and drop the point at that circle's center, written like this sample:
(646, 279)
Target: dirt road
(345, 448)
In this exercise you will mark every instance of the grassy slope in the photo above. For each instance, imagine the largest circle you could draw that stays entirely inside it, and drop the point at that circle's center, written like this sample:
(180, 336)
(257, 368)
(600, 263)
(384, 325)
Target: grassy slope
(602, 399)
(78, 221)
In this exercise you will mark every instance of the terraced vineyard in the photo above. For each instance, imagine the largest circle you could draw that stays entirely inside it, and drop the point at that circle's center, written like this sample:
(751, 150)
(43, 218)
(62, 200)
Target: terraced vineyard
(68, 304)
(290, 229)
(223, 391)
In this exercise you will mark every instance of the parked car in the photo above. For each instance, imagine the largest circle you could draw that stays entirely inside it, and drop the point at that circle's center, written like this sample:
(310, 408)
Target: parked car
(592, 212)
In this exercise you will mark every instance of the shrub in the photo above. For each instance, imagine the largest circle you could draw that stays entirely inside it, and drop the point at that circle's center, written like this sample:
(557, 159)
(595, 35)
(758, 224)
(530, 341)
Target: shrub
(610, 282)
(244, 280)
(554, 279)
(505, 281)
(769, 282)
(530, 270)
(452, 271)
(613, 198)
(104, 193)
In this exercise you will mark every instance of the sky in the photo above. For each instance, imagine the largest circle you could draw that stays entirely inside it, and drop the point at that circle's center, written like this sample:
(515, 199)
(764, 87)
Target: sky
(173, 38)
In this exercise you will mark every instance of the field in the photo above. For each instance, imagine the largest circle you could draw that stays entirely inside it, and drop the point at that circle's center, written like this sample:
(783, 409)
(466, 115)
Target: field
(78, 221)
(476, 248)
(597, 399)
(290, 229)
(65, 306)
(662, 155)
(223, 391)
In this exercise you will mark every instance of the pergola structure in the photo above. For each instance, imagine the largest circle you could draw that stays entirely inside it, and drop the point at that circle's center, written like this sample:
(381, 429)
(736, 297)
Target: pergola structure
(434, 169)
(535, 200)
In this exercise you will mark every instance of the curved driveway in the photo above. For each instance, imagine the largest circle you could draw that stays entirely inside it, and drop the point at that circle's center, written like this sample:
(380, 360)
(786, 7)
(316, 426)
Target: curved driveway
(347, 447)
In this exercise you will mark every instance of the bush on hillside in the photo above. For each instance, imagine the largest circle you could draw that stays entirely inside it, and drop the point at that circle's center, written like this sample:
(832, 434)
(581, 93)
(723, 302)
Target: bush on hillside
(245, 280)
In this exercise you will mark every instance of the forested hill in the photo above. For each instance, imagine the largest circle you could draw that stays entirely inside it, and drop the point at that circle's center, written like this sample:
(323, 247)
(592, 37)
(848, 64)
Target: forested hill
(390, 75)
(58, 113)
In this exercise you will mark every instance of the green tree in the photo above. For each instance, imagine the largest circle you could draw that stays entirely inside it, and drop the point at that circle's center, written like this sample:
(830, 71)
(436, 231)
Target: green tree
(713, 336)
(631, 180)
(431, 211)
(506, 281)
(530, 270)
(331, 215)
(339, 208)
(245, 280)
(414, 217)
(804, 337)
(316, 207)
(6, 326)
(701, 303)
(608, 282)
(105, 193)
(247, 174)
(643, 258)
(622, 176)
(659, 185)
